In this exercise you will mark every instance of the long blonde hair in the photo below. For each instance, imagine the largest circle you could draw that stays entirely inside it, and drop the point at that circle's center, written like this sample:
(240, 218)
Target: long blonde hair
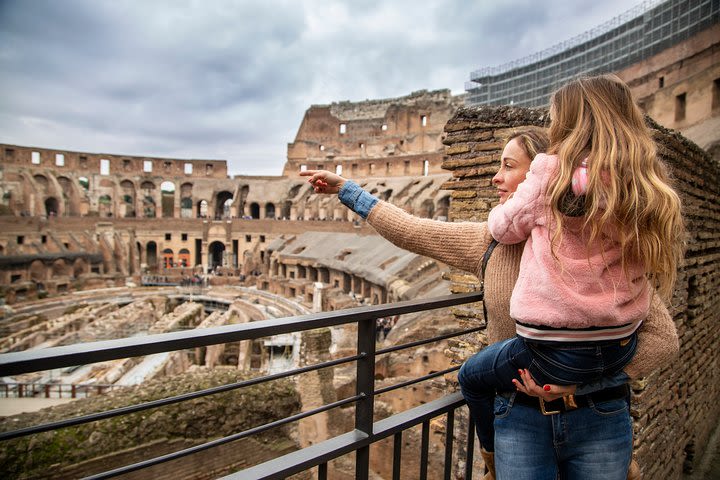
(629, 191)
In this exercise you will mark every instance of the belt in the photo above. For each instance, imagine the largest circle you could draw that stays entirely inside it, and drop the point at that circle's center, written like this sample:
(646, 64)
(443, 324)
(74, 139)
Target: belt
(570, 402)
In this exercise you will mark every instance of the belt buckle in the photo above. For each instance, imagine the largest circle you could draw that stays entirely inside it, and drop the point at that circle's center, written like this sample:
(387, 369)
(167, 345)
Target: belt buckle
(546, 412)
(569, 401)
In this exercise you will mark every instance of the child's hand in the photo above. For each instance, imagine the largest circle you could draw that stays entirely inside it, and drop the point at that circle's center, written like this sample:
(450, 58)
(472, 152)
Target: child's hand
(547, 392)
(324, 181)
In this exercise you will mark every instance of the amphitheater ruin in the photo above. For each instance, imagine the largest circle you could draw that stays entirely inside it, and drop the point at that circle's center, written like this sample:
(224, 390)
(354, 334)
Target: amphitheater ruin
(98, 246)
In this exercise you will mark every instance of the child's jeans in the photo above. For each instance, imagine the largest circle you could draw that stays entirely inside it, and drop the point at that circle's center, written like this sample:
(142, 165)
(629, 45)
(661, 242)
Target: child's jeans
(492, 369)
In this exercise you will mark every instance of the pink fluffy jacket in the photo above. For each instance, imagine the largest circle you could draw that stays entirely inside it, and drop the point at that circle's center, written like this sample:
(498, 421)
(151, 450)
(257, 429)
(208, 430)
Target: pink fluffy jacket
(580, 289)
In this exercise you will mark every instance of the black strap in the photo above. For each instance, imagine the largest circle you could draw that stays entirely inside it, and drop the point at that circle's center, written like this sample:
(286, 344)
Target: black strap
(483, 267)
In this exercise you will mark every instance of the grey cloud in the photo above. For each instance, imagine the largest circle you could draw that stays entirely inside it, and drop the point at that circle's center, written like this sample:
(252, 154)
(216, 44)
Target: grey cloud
(232, 79)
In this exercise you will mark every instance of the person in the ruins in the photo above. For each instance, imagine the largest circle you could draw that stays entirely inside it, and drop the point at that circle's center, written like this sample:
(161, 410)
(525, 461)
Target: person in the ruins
(596, 439)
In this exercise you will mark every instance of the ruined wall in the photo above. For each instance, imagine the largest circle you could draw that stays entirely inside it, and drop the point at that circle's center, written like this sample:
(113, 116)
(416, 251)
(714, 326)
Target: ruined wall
(389, 137)
(680, 86)
(676, 408)
(91, 448)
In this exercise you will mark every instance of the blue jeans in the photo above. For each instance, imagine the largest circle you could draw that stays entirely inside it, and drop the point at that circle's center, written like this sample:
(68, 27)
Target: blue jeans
(590, 443)
(492, 369)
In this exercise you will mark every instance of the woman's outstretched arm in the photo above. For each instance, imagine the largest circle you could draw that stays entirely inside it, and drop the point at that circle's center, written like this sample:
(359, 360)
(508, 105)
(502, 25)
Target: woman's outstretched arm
(460, 244)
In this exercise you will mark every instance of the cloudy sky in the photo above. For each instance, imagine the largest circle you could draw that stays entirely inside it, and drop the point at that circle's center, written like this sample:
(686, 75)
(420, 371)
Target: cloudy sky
(231, 79)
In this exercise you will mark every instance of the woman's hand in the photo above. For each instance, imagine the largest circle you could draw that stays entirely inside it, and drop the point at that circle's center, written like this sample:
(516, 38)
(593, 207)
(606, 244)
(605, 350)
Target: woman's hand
(324, 181)
(547, 392)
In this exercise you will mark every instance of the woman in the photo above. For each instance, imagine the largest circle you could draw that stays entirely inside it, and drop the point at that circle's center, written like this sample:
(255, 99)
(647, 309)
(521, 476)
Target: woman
(592, 440)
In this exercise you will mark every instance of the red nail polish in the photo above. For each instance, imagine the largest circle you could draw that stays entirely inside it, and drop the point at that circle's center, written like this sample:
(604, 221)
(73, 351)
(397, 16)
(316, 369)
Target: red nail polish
(546, 388)
(520, 371)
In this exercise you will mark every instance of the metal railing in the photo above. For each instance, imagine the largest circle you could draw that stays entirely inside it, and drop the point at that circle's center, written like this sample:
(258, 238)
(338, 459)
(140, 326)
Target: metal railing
(365, 433)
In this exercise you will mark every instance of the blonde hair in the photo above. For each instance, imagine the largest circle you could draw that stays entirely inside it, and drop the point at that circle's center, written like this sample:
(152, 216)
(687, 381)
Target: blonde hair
(531, 140)
(629, 190)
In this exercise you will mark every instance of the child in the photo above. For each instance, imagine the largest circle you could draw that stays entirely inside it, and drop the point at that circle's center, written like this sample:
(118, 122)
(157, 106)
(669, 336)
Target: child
(603, 227)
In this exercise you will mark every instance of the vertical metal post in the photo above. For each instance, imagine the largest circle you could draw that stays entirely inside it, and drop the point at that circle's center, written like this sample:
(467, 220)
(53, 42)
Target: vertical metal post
(424, 447)
(470, 449)
(397, 455)
(322, 471)
(449, 427)
(365, 387)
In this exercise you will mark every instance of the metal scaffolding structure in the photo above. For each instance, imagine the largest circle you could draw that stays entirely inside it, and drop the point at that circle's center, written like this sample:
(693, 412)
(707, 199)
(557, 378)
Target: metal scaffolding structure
(637, 34)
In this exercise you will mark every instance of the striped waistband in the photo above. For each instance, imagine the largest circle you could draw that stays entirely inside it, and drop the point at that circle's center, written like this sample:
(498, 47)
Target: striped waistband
(590, 334)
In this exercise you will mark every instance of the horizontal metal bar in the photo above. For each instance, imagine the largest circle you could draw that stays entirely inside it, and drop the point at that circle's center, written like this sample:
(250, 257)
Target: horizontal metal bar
(168, 401)
(80, 354)
(220, 441)
(294, 462)
(416, 380)
(439, 338)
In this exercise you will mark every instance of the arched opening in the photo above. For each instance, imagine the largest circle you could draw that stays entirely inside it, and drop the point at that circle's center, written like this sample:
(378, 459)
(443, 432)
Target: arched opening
(105, 206)
(286, 210)
(427, 209)
(186, 202)
(51, 207)
(152, 261)
(223, 201)
(149, 203)
(38, 272)
(69, 196)
(244, 190)
(167, 199)
(60, 268)
(128, 198)
(168, 258)
(269, 210)
(79, 267)
(443, 207)
(202, 209)
(184, 258)
(255, 210)
(41, 181)
(84, 182)
(217, 251)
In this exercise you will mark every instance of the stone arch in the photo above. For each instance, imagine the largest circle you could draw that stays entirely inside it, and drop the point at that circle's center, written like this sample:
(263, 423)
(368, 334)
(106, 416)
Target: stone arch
(168, 258)
(167, 199)
(269, 210)
(186, 201)
(60, 268)
(52, 207)
(223, 202)
(202, 209)
(217, 251)
(42, 182)
(255, 210)
(38, 271)
(149, 203)
(151, 255)
(79, 267)
(128, 199)
(71, 200)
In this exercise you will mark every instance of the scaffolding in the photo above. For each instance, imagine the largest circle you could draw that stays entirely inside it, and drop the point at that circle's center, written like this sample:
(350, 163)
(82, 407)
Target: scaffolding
(637, 34)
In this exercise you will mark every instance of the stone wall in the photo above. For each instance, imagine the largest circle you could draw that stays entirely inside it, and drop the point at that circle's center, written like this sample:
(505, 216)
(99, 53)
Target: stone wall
(674, 409)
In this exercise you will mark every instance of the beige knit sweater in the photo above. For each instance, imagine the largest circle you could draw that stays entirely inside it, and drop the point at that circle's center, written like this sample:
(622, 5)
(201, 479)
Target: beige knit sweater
(463, 245)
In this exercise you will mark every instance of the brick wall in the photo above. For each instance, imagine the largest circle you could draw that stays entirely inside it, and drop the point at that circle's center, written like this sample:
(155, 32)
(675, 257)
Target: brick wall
(675, 409)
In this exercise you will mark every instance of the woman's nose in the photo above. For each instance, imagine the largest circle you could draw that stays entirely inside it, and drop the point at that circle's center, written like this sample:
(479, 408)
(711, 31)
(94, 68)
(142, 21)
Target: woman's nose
(497, 178)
